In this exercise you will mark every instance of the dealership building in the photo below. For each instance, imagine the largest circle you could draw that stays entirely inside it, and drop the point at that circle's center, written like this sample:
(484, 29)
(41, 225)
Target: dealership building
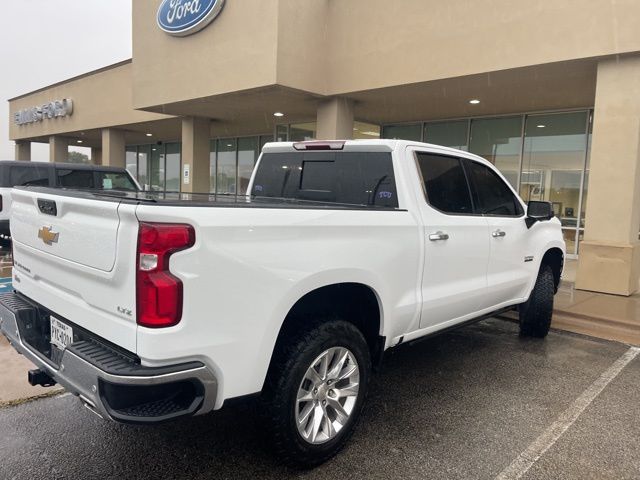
(547, 91)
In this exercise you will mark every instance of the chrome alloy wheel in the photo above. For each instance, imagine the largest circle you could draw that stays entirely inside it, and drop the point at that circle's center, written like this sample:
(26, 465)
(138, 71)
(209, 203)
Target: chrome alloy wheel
(327, 395)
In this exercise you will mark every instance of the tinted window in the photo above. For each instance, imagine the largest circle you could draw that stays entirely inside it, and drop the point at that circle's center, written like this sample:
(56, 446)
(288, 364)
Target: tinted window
(75, 178)
(357, 178)
(492, 196)
(445, 183)
(115, 181)
(25, 176)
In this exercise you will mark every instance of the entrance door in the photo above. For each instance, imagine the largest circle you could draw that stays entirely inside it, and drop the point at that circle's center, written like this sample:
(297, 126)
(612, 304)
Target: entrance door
(456, 243)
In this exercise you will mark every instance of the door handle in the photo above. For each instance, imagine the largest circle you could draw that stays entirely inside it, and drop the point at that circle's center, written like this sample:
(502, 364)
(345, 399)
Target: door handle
(434, 237)
(498, 233)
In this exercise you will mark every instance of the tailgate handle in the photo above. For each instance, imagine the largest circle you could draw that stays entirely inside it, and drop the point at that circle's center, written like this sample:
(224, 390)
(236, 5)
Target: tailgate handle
(48, 207)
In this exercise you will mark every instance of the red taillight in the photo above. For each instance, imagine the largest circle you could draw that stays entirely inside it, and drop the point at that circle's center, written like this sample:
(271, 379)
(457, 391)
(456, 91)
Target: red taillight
(159, 293)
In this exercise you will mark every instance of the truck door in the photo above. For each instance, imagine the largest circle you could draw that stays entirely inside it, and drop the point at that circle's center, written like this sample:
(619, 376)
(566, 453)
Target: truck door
(511, 264)
(456, 242)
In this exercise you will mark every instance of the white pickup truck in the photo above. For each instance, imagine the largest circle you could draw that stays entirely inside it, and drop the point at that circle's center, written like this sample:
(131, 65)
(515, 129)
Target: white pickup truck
(150, 307)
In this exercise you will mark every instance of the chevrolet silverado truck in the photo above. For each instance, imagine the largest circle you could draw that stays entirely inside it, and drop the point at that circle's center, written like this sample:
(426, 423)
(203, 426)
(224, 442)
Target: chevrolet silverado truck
(151, 307)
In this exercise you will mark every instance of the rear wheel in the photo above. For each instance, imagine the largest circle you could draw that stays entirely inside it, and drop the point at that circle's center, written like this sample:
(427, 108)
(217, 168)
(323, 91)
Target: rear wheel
(536, 313)
(315, 391)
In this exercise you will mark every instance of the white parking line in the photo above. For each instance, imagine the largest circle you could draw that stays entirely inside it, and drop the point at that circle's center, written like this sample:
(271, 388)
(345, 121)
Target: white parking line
(550, 436)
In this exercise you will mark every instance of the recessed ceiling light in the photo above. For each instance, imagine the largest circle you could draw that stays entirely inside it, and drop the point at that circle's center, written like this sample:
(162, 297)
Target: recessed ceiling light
(540, 126)
(79, 141)
(149, 134)
(474, 101)
(278, 114)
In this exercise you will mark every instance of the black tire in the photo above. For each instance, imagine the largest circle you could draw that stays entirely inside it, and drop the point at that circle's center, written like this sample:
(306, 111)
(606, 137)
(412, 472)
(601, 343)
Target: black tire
(286, 373)
(536, 313)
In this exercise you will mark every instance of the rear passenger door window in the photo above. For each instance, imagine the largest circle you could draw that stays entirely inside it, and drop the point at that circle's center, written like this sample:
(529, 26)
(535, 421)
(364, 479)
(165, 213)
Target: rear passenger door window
(69, 178)
(491, 194)
(445, 183)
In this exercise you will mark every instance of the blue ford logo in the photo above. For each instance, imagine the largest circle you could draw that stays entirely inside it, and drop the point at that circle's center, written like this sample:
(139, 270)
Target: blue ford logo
(184, 17)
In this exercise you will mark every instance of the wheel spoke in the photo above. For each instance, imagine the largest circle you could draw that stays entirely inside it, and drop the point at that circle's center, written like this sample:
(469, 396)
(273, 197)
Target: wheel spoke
(350, 390)
(324, 366)
(313, 377)
(328, 426)
(318, 415)
(339, 364)
(305, 395)
(341, 415)
(304, 414)
(351, 369)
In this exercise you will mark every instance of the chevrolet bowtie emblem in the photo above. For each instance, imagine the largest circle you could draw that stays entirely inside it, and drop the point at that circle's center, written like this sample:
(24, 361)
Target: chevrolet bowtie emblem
(48, 236)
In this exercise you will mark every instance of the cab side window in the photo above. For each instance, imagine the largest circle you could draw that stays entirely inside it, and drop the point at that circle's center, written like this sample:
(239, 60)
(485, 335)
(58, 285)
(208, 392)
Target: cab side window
(491, 194)
(445, 183)
(29, 176)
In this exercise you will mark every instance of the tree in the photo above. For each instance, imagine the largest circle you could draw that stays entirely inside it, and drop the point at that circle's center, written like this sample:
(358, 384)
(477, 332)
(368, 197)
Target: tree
(77, 157)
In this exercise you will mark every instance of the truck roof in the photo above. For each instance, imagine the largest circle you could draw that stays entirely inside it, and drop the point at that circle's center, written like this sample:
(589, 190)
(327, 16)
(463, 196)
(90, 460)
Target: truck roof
(361, 145)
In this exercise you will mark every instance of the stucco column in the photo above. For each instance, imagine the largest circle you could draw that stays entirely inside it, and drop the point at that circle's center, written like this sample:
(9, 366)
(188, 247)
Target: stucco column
(113, 148)
(195, 155)
(58, 149)
(23, 151)
(96, 156)
(610, 253)
(335, 119)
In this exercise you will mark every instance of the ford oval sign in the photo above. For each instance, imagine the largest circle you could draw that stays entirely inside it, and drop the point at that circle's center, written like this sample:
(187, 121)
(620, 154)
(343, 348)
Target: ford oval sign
(184, 17)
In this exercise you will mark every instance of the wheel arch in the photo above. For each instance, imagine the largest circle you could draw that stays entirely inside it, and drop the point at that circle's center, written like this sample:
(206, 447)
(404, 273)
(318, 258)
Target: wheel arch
(354, 302)
(554, 257)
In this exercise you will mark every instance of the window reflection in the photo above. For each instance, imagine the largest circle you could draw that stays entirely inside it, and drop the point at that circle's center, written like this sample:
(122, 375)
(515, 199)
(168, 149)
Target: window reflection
(448, 134)
(226, 162)
(499, 140)
(553, 165)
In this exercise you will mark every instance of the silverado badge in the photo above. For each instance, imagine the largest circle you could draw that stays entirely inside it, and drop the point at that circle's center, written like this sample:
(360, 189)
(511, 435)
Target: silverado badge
(48, 236)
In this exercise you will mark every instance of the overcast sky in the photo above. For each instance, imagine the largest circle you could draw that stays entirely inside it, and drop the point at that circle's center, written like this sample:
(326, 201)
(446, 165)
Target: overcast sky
(45, 41)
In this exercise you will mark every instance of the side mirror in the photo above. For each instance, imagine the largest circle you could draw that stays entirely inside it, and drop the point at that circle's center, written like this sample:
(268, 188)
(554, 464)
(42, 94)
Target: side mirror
(538, 212)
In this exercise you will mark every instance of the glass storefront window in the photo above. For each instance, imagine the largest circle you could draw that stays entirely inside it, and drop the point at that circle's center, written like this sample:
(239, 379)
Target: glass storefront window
(403, 132)
(226, 163)
(302, 131)
(131, 161)
(282, 133)
(553, 165)
(144, 152)
(499, 141)
(247, 156)
(448, 134)
(156, 168)
(173, 164)
(212, 166)
(265, 139)
(367, 131)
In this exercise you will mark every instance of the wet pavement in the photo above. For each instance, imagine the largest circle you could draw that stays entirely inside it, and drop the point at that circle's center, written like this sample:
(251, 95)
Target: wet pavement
(462, 405)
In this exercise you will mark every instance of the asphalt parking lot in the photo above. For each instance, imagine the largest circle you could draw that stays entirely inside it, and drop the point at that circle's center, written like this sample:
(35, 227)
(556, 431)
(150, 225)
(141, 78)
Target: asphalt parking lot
(466, 405)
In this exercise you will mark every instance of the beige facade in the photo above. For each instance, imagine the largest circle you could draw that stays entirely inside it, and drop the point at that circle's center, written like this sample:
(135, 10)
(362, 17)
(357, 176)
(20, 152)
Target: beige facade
(353, 67)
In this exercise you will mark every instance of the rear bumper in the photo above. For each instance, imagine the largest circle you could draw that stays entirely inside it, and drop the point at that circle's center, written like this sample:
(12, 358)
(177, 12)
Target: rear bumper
(110, 383)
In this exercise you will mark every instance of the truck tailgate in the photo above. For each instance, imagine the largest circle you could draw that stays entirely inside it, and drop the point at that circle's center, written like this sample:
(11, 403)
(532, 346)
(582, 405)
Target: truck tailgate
(76, 257)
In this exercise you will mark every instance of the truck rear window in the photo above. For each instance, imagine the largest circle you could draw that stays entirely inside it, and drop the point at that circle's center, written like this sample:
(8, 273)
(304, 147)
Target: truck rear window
(355, 178)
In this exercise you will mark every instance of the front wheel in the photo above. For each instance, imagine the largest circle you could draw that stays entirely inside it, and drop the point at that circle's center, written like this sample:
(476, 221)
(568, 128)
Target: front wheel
(536, 313)
(315, 391)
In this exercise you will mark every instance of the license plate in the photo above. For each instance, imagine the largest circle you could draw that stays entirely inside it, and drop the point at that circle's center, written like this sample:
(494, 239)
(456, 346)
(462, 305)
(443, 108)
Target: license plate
(61, 334)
